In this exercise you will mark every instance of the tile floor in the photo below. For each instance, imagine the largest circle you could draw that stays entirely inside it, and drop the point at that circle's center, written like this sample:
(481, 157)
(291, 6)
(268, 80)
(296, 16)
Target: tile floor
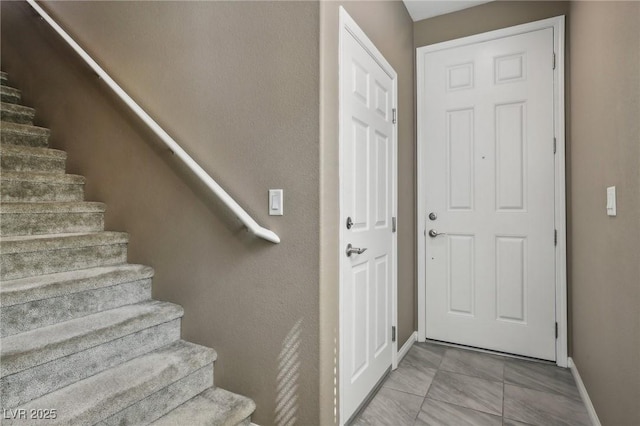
(440, 385)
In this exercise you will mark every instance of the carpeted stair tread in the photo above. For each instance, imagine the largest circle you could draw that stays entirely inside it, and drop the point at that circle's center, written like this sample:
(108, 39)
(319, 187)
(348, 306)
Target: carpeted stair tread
(51, 217)
(24, 134)
(9, 94)
(32, 151)
(26, 385)
(98, 397)
(33, 255)
(80, 332)
(25, 128)
(31, 186)
(31, 243)
(15, 113)
(50, 178)
(20, 158)
(26, 350)
(213, 407)
(24, 290)
(53, 207)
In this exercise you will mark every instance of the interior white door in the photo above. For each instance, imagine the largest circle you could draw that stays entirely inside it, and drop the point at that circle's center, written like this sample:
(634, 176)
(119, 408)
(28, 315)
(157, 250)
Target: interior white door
(367, 193)
(488, 167)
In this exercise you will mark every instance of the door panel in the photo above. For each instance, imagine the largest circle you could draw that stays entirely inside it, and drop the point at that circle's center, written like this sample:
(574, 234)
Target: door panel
(367, 196)
(488, 168)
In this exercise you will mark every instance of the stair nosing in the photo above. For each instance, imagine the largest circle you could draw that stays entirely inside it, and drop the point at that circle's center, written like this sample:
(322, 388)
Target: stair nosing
(22, 108)
(46, 207)
(43, 177)
(32, 151)
(41, 345)
(25, 129)
(240, 411)
(134, 375)
(40, 287)
(46, 242)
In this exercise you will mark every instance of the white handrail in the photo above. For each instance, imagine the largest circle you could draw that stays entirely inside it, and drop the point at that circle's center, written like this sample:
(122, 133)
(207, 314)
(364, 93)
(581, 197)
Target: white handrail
(240, 213)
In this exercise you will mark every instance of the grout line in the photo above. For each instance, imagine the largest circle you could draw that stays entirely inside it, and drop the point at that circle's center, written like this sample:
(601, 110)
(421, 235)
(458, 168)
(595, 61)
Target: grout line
(462, 406)
(473, 377)
(489, 352)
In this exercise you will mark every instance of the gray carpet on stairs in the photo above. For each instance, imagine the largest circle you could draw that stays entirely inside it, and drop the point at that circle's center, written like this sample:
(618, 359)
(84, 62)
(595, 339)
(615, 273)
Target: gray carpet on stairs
(79, 331)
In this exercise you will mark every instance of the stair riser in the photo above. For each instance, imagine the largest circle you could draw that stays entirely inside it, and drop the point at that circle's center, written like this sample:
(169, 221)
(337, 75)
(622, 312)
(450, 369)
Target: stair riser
(29, 384)
(27, 191)
(20, 265)
(16, 117)
(30, 163)
(50, 223)
(24, 139)
(160, 403)
(10, 98)
(28, 316)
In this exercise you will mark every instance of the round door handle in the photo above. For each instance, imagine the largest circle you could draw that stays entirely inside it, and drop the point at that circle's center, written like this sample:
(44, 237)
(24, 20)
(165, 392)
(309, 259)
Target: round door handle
(433, 233)
(354, 250)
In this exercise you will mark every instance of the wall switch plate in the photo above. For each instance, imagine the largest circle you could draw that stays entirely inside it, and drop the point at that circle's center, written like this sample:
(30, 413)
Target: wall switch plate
(611, 201)
(276, 202)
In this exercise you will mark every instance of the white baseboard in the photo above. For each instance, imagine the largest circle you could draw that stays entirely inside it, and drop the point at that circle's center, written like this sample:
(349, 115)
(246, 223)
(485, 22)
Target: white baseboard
(593, 416)
(407, 345)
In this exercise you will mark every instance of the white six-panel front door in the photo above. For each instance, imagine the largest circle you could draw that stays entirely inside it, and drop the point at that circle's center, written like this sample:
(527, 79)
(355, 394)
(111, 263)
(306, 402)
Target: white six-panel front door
(488, 168)
(367, 191)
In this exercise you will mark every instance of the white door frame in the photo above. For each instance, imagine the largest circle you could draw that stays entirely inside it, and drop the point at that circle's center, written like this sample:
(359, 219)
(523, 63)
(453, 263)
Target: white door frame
(349, 26)
(557, 24)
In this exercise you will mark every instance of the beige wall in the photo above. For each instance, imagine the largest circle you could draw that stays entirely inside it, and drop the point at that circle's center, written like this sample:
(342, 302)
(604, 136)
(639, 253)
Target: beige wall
(237, 84)
(483, 18)
(389, 26)
(605, 260)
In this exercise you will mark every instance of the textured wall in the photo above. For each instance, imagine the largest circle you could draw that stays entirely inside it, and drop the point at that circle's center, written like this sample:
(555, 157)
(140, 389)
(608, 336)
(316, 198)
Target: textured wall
(237, 84)
(483, 18)
(389, 26)
(605, 260)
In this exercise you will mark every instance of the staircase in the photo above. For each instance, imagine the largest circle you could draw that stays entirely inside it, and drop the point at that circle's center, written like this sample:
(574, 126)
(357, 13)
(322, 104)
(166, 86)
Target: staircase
(82, 342)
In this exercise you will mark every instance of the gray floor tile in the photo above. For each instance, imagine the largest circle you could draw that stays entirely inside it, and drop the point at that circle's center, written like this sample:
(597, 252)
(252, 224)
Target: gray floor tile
(390, 408)
(424, 354)
(411, 379)
(475, 364)
(542, 408)
(437, 413)
(510, 422)
(542, 377)
(471, 392)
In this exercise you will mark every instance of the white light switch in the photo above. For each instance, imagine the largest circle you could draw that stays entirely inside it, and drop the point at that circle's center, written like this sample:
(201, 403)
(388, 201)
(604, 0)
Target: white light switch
(276, 202)
(611, 201)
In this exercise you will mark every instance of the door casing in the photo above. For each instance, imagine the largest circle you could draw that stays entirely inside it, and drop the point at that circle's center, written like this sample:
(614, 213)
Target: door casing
(558, 25)
(348, 26)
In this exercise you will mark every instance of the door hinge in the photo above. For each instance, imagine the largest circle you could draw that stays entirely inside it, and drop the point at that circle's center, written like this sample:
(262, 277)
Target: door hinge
(393, 333)
(554, 145)
(394, 114)
(555, 237)
(394, 226)
(556, 330)
(554, 60)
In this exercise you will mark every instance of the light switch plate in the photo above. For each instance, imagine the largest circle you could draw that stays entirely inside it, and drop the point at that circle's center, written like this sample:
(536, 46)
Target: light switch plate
(611, 201)
(276, 202)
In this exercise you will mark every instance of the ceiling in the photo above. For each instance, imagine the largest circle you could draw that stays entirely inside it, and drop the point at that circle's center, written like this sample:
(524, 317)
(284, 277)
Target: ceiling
(423, 9)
